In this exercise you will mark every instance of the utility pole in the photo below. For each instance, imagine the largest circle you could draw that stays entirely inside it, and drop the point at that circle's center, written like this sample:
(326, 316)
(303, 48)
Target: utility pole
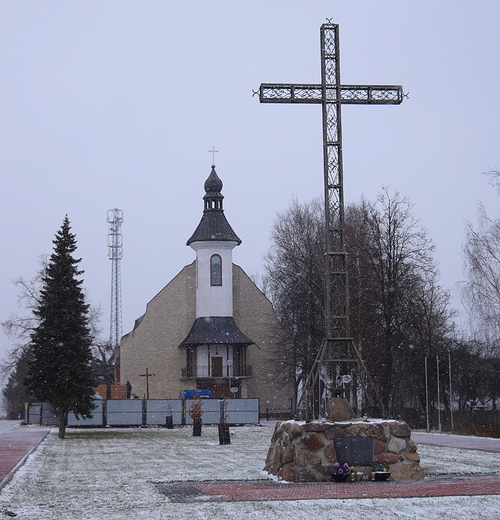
(440, 429)
(427, 396)
(451, 394)
(338, 347)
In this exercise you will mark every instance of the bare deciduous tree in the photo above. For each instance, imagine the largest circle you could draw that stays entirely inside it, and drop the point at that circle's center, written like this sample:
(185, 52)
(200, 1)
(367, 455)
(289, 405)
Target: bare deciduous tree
(398, 312)
(481, 291)
(295, 283)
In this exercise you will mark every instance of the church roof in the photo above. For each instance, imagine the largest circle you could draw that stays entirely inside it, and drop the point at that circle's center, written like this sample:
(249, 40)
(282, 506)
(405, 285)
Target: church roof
(213, 225)
(215, 330)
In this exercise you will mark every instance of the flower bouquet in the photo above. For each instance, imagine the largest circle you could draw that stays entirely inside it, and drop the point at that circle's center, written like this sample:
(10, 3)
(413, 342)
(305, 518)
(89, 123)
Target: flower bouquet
(341, 472)
(381, 470)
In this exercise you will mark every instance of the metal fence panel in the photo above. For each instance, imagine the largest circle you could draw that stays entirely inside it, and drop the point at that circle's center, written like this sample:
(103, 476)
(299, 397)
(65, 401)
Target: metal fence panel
(49, 417)
(33, 413)
(42, 413)
(96, 420)
(136, 412)
(243, 411)
(157, 410)
(124, 412)
(239, 411)
(210, 408)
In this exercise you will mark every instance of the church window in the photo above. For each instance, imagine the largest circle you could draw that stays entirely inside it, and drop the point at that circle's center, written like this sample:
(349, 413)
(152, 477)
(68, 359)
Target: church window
(215, 270)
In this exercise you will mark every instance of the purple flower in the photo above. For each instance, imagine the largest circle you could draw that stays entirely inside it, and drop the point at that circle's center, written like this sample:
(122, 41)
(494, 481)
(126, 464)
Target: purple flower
(340, 471)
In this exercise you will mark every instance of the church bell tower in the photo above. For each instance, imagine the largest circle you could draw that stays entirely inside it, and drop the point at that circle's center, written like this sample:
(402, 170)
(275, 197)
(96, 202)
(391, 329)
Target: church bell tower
(214, 241)
(216, 347)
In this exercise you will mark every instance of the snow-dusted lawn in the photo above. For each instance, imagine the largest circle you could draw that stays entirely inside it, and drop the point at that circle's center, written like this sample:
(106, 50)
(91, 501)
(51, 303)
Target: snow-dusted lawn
(110, 474)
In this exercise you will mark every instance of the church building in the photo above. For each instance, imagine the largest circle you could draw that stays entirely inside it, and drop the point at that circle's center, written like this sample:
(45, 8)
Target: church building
(210, 328)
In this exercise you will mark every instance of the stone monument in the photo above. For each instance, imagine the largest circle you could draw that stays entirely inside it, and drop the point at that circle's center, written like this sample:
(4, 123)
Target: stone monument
(307, 452)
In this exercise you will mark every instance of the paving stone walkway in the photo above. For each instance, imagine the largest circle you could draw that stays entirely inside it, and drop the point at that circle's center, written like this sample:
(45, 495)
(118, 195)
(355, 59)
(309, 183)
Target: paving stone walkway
(16, 443)
(457, 441)
(266, 490)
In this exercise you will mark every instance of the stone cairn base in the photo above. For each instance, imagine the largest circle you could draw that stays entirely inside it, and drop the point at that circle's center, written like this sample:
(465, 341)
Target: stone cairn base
(305, 452)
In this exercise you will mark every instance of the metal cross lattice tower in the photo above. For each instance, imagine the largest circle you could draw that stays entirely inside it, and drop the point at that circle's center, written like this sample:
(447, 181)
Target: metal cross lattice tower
(338, 346)
(115, 253)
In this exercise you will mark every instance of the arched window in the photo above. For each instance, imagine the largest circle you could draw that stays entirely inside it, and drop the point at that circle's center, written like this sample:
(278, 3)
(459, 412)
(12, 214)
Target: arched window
(215, 270)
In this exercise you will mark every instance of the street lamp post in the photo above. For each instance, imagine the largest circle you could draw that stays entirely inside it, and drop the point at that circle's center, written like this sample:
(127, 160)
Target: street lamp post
(427, 396)
(438, 395)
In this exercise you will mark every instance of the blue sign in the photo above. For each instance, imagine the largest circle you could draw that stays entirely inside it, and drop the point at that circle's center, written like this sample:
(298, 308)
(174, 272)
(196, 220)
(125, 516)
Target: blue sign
(195, 394)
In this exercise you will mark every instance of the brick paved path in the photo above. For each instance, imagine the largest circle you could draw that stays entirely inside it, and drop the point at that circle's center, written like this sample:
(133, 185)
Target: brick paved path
(15, 445)
(266, 490)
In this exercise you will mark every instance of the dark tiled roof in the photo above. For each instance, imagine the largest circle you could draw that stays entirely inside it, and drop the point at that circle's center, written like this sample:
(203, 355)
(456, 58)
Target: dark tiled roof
(214, 226)
(215, 330)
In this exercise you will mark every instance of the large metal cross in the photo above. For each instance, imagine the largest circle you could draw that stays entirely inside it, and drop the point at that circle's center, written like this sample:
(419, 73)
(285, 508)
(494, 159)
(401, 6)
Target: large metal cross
(331, 94)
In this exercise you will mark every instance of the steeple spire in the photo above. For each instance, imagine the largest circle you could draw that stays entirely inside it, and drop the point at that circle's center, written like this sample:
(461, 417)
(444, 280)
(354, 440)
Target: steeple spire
(214, 241)
(213, 187)
(213, 225)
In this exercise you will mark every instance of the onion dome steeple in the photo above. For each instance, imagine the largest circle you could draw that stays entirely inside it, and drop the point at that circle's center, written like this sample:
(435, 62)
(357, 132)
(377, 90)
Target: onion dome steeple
(214, 241)
(213, 187)
(213, 225)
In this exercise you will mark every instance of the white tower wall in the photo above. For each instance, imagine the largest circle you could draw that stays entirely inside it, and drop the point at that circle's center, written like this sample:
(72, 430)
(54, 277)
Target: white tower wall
(214, 300)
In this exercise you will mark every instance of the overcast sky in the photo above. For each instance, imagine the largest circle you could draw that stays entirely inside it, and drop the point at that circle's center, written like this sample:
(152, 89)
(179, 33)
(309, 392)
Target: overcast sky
(116, 104)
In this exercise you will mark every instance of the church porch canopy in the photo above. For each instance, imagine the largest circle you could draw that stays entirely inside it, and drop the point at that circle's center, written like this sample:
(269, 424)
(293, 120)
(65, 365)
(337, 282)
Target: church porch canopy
(215, 330)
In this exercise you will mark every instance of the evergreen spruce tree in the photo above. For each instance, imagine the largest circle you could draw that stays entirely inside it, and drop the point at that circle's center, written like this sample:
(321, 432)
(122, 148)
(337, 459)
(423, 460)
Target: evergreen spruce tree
(15, 394)
(60, 365)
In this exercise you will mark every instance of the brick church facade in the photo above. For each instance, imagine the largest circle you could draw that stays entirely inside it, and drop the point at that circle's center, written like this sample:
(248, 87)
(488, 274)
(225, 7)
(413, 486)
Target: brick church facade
(210, 328)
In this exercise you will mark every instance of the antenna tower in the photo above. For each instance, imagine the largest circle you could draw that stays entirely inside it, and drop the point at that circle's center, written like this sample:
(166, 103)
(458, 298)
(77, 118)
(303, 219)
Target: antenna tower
(115, 253)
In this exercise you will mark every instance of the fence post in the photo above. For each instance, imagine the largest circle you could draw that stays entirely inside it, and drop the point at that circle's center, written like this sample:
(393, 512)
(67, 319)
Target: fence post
(104, 412)
(224, 435)
(144, 412)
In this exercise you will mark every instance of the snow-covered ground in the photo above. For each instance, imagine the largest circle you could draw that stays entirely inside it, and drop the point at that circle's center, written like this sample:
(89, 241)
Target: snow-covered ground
(110, 474)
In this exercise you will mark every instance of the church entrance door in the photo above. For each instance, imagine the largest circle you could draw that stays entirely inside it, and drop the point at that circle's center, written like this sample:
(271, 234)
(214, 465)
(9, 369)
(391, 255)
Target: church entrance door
(217, 367)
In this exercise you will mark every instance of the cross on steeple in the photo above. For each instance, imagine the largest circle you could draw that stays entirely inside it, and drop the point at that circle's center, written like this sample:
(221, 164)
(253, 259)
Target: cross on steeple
(213, 151)
(337, 346)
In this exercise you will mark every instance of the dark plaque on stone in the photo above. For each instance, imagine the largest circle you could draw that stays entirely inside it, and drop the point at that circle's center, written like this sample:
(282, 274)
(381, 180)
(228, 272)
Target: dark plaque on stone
(355, 450)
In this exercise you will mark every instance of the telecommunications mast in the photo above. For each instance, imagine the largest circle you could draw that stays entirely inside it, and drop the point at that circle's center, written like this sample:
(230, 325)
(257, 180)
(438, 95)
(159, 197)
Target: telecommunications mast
(115, 253)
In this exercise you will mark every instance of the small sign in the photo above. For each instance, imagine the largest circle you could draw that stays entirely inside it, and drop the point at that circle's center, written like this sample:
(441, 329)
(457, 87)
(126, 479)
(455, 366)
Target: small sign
(195, 394)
